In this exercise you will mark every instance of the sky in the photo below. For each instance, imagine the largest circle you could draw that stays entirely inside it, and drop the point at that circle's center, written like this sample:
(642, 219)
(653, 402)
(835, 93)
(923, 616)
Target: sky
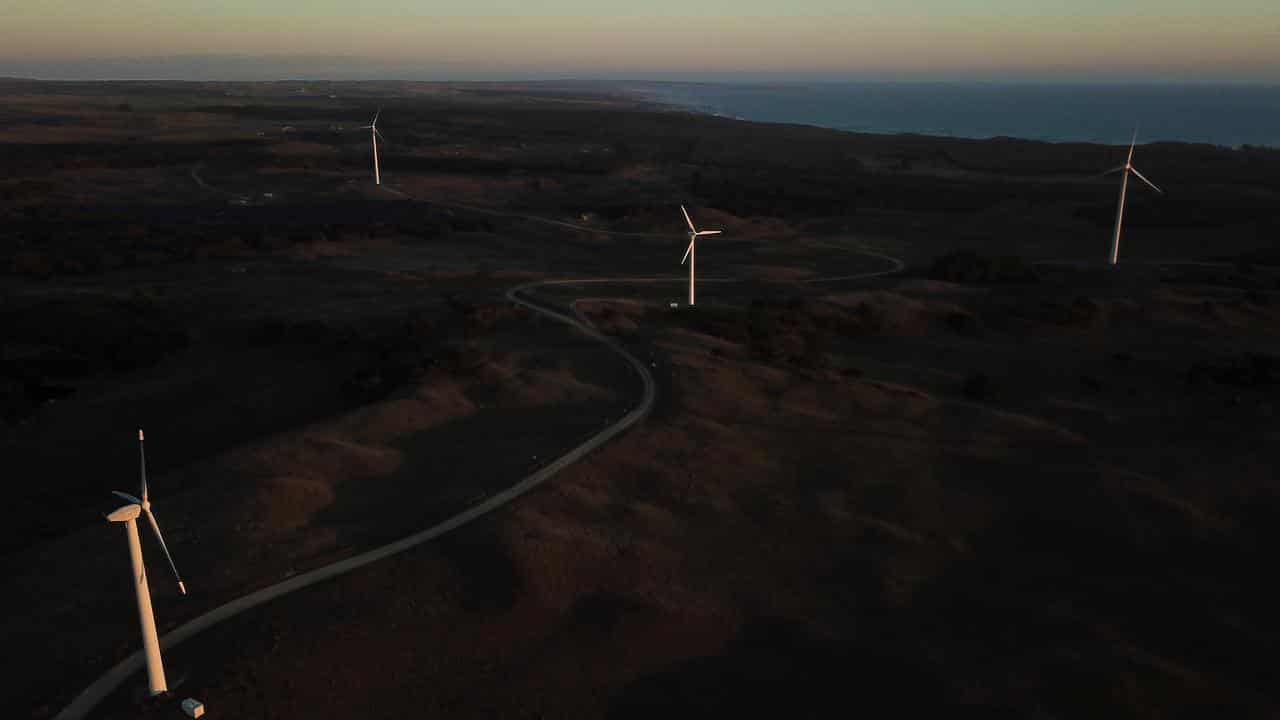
(996, 40)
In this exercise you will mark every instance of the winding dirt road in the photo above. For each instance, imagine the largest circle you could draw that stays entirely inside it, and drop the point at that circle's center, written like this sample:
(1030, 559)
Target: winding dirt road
(96, 692)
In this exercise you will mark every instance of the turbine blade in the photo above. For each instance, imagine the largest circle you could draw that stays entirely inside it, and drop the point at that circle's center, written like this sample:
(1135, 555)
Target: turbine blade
(688, 219)
(1112, 170)
(1133, 142)
(378, 132)
(126, 497)
(375, 118)
(142, 462)
(1144, 179)
(156, 527)
(688, 250)
(709, 232)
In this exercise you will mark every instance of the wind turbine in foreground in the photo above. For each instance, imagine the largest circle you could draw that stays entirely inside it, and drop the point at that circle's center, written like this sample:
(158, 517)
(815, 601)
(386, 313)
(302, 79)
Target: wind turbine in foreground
(128, 514)
(1127, 168)
(374, 134)
(691, 253)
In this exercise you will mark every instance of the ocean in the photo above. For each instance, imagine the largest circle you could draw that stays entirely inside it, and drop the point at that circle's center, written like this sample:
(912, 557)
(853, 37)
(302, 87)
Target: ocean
(1229, 115)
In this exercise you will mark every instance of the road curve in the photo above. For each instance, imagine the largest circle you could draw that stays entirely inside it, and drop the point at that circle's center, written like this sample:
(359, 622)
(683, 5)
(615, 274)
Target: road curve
(97, 691)
(898, 266)
(117, 675)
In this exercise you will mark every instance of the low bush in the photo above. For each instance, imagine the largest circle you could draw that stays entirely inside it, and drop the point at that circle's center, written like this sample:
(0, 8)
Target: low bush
(970, 267)
(1249, 370)
(978, 387)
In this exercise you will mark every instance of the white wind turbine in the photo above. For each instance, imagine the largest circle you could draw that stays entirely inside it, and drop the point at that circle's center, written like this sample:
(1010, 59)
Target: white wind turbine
(128, 514)
(1127, 168)
(691, 253)
(374, 135)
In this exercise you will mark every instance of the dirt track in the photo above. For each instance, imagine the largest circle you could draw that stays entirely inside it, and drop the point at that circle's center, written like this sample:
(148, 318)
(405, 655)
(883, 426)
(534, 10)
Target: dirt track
(118, 674)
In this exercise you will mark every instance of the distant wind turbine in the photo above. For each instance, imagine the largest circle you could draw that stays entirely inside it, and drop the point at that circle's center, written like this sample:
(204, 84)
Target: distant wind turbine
(128, 514)
(1127, 169)
(691, 253)
(374, 135)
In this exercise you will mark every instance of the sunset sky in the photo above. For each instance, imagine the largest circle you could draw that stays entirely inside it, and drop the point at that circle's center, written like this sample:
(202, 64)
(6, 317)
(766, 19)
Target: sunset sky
(1172, 40)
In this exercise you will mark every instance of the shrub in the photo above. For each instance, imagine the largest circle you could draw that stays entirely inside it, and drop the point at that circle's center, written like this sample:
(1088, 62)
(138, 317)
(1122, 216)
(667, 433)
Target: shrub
(1249, 370)
(963, 323)
(970, 267)
(1079, 312)
(32, 264)
(977, 386)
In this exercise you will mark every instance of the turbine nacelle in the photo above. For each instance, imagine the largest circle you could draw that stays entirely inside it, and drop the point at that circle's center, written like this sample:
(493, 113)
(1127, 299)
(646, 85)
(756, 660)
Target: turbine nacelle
(128, 516)
(125, 513)
(694, 234)
(689, 252)
(373, 125)
(139, 506)
(1126, 170)
(374, 136)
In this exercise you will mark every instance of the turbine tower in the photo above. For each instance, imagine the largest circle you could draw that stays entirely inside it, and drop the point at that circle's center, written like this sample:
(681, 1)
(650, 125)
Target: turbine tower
(691, 253)
(128, 514)
(374, 135)
(1127, 168)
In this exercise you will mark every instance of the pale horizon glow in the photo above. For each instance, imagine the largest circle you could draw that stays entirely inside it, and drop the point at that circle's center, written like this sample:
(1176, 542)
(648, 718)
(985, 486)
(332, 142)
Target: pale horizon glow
(1234, 41)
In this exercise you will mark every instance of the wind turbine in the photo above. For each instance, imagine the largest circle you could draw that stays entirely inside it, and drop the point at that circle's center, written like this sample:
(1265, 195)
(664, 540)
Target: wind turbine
(128, 514)
(374, 135)
(691, 253)
(1127, 168)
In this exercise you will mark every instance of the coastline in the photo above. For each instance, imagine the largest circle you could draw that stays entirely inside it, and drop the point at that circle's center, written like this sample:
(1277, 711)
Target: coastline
(1222, 115)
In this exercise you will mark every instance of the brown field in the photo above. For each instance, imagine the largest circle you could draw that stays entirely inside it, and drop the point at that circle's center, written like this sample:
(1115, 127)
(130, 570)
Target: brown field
(1011, 481)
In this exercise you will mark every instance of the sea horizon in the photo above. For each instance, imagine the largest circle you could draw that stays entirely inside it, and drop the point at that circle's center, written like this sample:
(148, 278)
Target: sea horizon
(1228, 114)
(1225, 114)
